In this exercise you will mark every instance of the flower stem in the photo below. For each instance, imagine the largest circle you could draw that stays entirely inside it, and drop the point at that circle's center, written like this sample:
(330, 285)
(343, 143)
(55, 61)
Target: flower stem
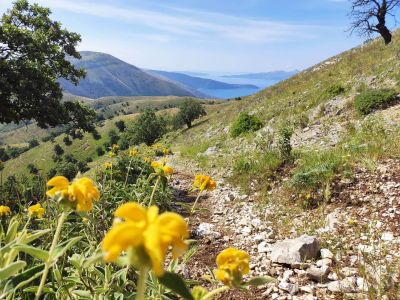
(49, 261)
(195, 202)
(154, 191)
(215, 292)
(141, 285)
(127, 173)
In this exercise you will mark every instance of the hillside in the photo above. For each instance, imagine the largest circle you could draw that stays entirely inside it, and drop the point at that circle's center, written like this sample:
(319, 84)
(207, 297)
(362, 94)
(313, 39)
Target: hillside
(315, 174)
(109, 76)
(274, 75)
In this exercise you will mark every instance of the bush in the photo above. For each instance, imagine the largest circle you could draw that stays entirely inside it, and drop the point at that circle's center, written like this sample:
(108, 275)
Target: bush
(58, 150)
(67, 141)
(96, 135)
(284, 145)
(370, 100)
(120, 125)
(334, 90)
(114, 137)
(100, 151)
(146, 129)
(33, 143)
(245, 123)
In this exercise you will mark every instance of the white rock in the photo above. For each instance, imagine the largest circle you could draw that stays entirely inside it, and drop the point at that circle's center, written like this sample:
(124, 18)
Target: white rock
(289, 287)
(206, 230)
(326, 253)
(387, 236)
(319, 274)
(263, 247)
(292, 251)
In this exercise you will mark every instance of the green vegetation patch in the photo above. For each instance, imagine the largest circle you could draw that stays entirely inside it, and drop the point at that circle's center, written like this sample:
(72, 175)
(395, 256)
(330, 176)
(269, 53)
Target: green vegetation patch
(245, 123)
(371, 100)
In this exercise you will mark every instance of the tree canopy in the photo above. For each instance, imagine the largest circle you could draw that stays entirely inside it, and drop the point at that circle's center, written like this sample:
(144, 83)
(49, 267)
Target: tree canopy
(190, 110)
(34, 53)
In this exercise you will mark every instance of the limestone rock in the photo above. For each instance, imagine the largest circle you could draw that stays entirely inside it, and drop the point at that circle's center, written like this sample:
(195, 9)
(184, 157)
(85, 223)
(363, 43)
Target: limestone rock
(297, 250)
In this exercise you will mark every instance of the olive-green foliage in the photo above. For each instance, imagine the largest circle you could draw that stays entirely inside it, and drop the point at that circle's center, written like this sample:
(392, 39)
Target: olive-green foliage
(334, 90)
(284, 145)
(258, 167)
(370, 100)
(189, 110)
(128, 169)
(147, 128)
(245, 123)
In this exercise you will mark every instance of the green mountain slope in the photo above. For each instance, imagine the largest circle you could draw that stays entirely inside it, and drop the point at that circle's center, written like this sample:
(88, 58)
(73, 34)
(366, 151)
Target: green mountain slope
(109, 76)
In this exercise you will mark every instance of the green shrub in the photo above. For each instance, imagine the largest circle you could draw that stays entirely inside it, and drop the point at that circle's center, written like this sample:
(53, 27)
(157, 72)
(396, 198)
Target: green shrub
(245, 123)
(335, 90)
(370, 100)
(284, 145)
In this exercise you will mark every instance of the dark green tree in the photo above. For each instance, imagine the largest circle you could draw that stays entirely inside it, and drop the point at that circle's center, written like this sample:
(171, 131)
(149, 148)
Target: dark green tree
(58, 150)
(146, 129)
(33, 56)
(120, 125)
(189, 110)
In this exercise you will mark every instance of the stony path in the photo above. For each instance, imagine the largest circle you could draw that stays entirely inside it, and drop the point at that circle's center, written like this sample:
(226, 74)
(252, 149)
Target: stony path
(227, 218)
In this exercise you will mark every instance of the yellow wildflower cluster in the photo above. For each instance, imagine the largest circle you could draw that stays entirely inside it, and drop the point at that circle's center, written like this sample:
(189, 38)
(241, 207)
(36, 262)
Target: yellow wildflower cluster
(115, 147)
(161, 168)
(147, 160)
(36, 211)
(232, 265)
(167, 151)
(4, 210)
(108, 165)
(79, 194)
(147, 234)
(111, 154)
(204, 182)
(133, 152)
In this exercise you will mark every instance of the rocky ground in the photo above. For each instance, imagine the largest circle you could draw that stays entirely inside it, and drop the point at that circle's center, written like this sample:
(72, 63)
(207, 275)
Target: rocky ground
(354, 255)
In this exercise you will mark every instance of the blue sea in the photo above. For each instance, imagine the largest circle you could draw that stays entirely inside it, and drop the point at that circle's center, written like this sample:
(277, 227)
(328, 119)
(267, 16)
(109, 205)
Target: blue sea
(233, 93)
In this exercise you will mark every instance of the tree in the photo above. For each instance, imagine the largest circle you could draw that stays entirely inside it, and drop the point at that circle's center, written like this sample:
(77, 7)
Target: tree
(146, 129)
(190, 110)
(370, 17)
(33, 56)
(120, 125)
(58, 150)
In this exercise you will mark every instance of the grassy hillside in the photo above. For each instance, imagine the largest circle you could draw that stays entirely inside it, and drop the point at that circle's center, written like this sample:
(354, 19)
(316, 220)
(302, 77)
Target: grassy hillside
(85, 148)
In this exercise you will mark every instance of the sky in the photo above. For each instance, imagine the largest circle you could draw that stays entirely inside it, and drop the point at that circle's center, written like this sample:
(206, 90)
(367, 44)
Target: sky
(209, 35)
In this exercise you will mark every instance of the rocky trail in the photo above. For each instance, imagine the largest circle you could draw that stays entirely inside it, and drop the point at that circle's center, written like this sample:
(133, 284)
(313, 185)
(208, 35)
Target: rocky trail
(355, 255)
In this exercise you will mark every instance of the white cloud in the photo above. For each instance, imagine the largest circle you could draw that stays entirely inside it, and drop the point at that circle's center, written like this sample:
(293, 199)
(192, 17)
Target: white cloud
(194, 24)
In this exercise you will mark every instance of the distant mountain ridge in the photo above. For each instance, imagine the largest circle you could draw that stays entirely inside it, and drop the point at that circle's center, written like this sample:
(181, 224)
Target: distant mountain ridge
(110, 76)
(274, 75)
(196, 83)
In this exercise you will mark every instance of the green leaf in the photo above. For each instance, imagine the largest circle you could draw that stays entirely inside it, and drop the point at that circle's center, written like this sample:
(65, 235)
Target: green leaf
(64, 246)
(35, 235)
(176, 284)
(260, 280)
(11, 231)
(22, 279)
(92, 260)
(32, 251)
(164, 182)
(11, 269)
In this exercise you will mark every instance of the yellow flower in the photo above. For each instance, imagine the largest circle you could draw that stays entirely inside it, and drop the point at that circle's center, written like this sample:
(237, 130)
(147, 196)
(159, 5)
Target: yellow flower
(147, 160)
(204, 182)
(232, 265)
(115, 147)
(111, 154)
(352, 221)
(147, 232)
(59, 184)
(36, 211)
(133, 152)
(161, 169)
(4, 210)
(166, 151)
(108, 165)
(80, 192)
